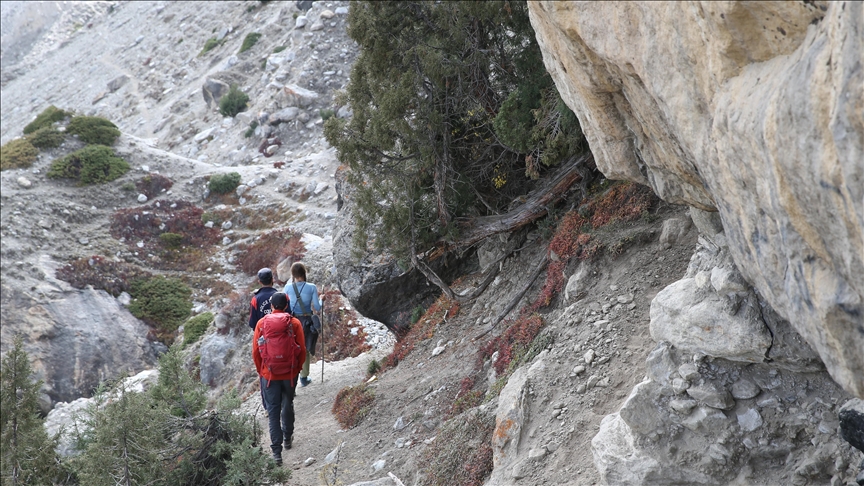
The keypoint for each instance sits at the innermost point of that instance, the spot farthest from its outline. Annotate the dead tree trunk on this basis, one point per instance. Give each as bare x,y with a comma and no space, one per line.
535,205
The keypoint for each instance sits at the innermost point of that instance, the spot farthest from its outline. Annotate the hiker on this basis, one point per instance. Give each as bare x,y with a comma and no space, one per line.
278,349
303,295
260,305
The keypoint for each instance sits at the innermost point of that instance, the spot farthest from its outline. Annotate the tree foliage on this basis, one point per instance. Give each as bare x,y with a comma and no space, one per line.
166,436
27,451
454,115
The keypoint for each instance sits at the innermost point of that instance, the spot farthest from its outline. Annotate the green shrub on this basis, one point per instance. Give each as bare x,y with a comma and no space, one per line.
171,240
233,102
373,367
326,114
161,302
249,41
46,118
46,137
93,164
279,49
224,183
251,130
93,130
195,327
17,154
212,43
128,186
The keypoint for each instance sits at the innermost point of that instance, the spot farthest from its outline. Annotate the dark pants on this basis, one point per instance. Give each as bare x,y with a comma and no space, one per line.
279,399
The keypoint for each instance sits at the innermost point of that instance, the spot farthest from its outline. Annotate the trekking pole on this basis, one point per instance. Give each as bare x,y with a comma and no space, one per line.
322,344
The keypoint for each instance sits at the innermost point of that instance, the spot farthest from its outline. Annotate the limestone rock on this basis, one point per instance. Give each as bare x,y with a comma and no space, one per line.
727,134
215,350
673,230
24,182
297,96
712,395
639,411
117,82
213,90
696,321
79,338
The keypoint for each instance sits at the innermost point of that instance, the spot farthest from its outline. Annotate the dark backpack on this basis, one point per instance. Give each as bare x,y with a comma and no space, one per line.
278,344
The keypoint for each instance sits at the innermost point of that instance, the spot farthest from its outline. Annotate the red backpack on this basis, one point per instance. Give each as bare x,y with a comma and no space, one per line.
278,344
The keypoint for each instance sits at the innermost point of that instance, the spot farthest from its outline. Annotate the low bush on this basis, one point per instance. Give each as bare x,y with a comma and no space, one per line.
93,130
161,302
326,114
46,137
93,164
462,452
373,367
353,404
466,398
279,49
171,240
153,184
17,154
423,329
46,118
101,273
149,222
514,342
209,45
270,249
195,327
250,40
233,102
224,183
339,343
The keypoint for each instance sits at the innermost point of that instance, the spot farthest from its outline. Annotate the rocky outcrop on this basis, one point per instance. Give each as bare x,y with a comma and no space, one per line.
729,390
75,339
752,109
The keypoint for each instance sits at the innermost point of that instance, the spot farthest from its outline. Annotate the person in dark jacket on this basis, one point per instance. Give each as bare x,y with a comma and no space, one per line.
260,304
279,389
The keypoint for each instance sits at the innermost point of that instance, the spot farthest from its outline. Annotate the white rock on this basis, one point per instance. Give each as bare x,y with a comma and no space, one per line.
202,135
301,22
438,350
589,356
341,11
692,321
316,26
226,225
327,14
142,198
24,182
750,420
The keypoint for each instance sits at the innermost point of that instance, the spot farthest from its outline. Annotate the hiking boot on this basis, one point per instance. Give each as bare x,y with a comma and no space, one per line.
305,381
277,456
288,442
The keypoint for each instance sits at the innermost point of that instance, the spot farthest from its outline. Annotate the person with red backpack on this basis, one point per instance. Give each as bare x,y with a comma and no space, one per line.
279,349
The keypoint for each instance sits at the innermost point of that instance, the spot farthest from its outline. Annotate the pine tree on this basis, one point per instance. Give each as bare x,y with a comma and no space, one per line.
454,116
122,435
27,452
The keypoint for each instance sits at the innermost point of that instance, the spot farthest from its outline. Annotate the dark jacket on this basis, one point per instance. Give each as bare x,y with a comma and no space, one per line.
260,305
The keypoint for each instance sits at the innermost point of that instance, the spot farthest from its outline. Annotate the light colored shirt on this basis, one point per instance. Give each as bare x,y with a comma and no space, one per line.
309,294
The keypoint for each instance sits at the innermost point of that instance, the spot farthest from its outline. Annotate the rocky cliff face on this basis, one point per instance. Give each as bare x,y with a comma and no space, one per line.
751,109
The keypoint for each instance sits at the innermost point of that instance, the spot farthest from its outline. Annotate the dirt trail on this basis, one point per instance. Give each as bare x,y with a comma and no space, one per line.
316,432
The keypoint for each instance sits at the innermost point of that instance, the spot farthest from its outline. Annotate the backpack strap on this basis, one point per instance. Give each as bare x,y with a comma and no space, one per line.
299,298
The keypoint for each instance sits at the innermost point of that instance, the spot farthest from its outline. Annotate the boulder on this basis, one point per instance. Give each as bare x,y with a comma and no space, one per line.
765,129
284,115
510,418
215,349
297,96
698,321
117,83
213,90
75,338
